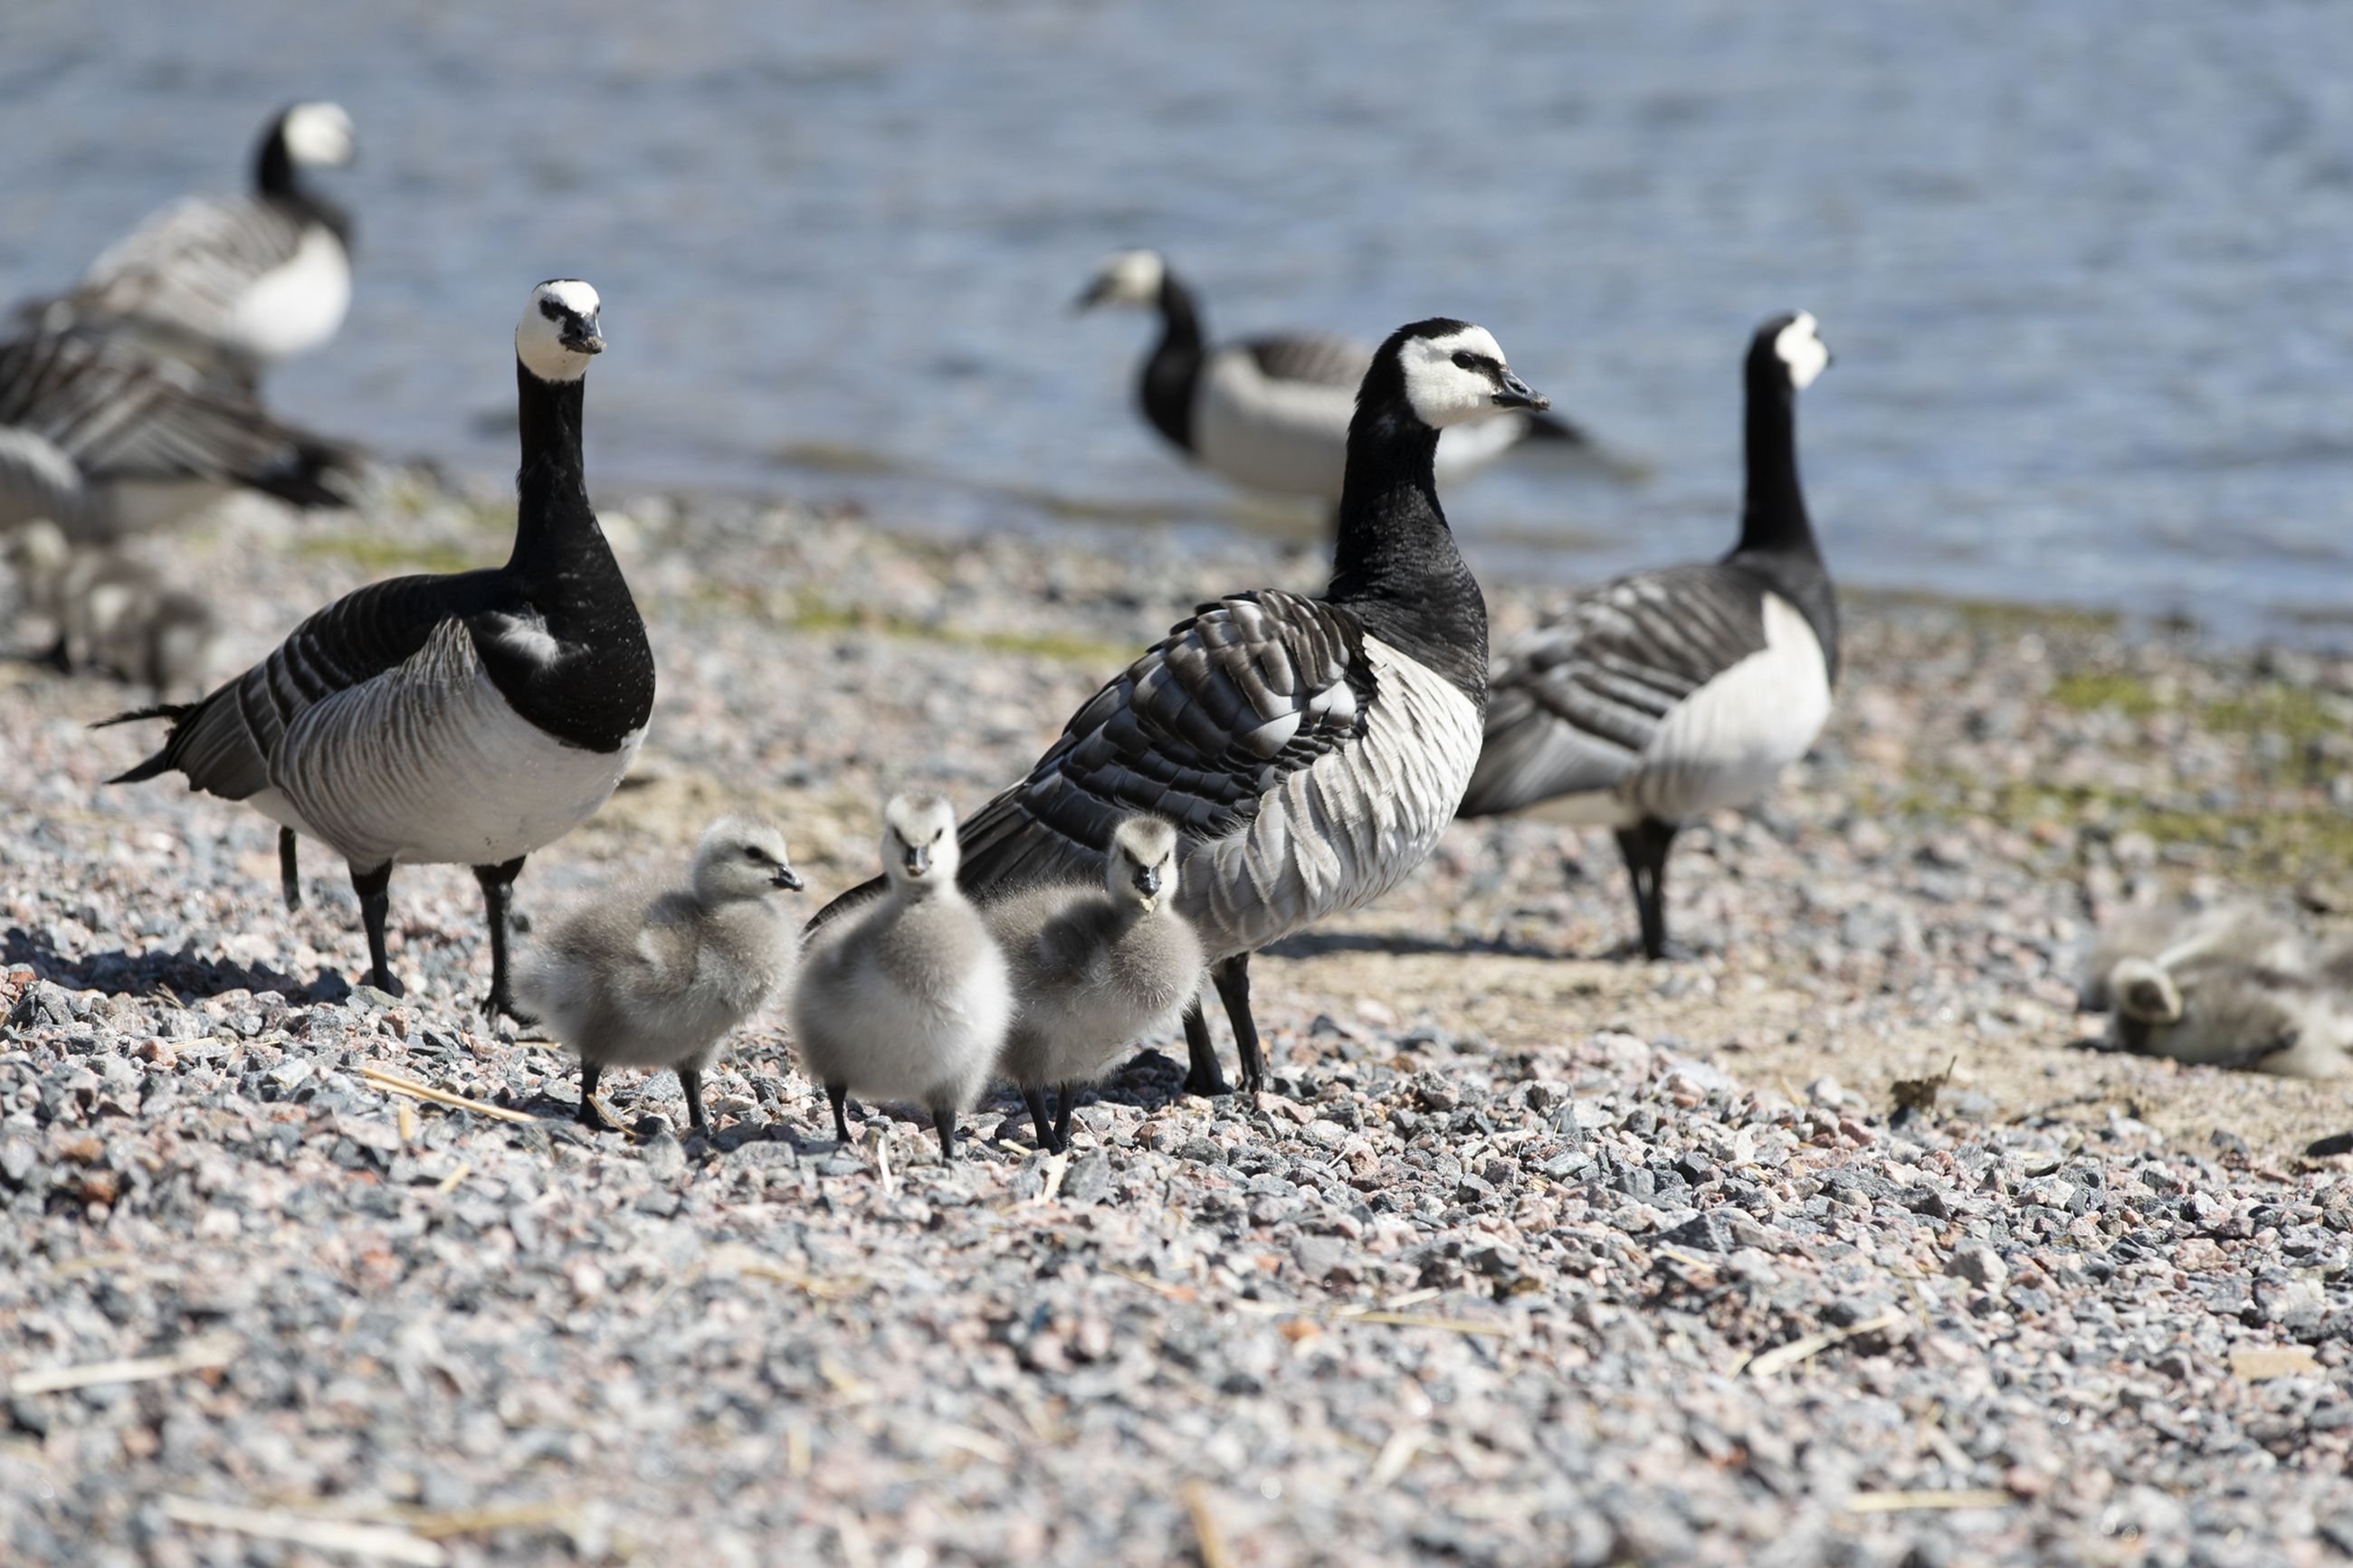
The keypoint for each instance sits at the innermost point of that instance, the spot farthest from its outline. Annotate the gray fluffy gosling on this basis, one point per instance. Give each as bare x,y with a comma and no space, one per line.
1094,970
2234,1015
112,612
909,1002
2172,938
661,981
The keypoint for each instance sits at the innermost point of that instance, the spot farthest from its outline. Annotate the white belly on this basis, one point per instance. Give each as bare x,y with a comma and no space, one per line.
297,306
1284,437
428,765
1339,834
1726,743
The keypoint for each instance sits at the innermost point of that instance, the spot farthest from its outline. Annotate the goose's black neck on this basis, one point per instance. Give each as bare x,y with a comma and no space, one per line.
276,178
1773,514
599,686
1776,537
1396,567
1174,367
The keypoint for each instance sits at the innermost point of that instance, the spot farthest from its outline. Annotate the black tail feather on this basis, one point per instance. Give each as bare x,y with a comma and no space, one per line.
160,762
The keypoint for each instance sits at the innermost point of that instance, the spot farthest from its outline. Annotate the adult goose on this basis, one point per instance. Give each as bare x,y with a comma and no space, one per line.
1270,412
1308,750
1644,703
467,719
105,438
247,279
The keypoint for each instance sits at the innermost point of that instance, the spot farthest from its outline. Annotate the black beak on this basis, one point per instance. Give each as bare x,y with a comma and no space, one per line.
787,876
1093,295
585,340
919,859
1147,880
1513,393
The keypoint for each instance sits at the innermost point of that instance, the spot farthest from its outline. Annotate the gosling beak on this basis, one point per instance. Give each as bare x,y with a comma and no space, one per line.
587,339
1147,881
786,878
919,859
1513,393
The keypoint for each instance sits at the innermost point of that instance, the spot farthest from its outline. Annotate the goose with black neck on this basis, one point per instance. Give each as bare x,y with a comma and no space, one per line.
1309,752
467,719
1645,702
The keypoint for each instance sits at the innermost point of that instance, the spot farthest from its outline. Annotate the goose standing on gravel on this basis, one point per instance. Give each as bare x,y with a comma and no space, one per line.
248,280
1310,751
907,1003
1272,413
1659,697
467,719
660,982
105,438
1095,969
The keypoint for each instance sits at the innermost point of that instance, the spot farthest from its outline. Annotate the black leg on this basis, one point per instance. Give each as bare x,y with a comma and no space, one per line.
840,1097
289,868
690,1080
1232,977
943,1116
375,889
498,886
1205,1076
1066,1101
1645,847
1034,1096
590,1115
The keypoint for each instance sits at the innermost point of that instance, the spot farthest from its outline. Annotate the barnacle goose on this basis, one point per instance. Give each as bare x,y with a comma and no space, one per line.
1659,697
104,438
467,719
248,279
1310,751
1270,412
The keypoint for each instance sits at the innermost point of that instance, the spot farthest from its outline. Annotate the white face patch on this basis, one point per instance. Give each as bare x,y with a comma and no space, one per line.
558,310
1441,392
1129,277
1800,347
319,135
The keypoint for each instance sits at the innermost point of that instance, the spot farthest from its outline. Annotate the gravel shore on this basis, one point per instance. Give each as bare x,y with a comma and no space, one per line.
1533,1256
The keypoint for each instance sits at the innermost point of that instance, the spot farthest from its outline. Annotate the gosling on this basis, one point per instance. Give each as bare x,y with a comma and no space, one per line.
910,1002
113,613
1094,970
660,982
2170,938
2230,1014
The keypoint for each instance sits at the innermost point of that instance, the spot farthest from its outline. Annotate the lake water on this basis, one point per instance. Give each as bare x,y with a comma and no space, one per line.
2085,267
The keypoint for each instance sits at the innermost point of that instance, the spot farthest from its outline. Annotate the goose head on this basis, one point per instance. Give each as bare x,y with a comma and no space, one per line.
741,857
1129,278
919,842
1443,372
1790,348
316,135
560,331
1140,868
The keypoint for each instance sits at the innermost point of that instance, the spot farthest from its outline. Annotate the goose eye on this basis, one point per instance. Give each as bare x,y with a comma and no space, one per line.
1465,360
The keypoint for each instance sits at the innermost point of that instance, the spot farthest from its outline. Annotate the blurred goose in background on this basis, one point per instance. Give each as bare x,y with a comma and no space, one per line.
907,1002
1271,413
631,981
113,613
1095,969
1648,701
2238,934
1310,753
105,439
243,281
467,719
2219,1012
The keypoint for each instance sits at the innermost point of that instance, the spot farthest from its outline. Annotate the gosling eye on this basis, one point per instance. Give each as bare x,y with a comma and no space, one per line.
754,853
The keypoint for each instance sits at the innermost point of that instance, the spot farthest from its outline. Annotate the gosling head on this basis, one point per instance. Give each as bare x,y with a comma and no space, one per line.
1129,277
1443,372
741,857
1142,866
2147,998
37,552
919,842
560,331
1790,347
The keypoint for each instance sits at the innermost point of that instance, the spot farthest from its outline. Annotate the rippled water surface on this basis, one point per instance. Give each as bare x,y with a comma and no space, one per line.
2084,267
